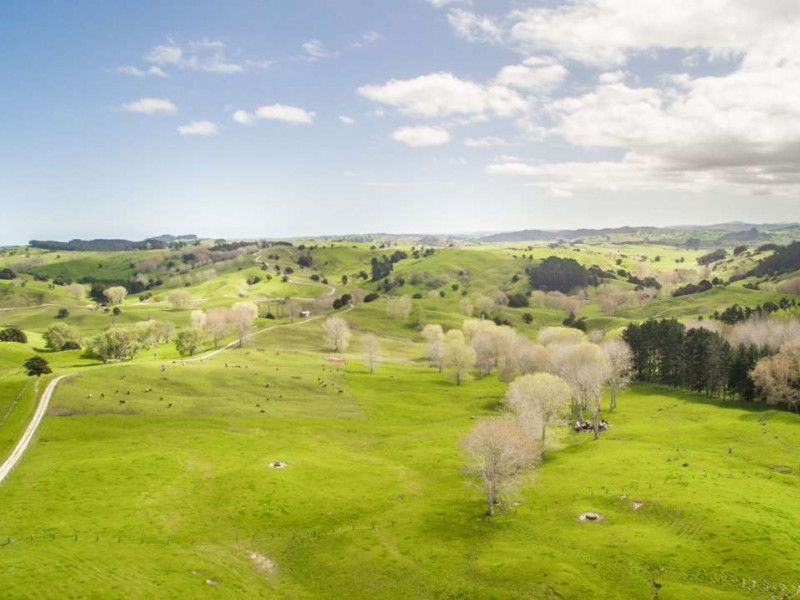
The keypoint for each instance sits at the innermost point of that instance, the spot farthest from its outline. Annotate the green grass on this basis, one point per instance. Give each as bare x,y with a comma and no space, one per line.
138,499
149,478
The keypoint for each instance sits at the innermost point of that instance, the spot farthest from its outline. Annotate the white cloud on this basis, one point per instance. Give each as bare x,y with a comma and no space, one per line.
368,38
441,3
607,32
346,120
243,117
151,106
314,50
534,74
275,112
632,173
204,55
137,72
444,94
473,27
739,127
486,142
203,128
420,136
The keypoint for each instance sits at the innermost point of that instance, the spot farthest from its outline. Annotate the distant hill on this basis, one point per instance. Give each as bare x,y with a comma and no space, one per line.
693,235
111,245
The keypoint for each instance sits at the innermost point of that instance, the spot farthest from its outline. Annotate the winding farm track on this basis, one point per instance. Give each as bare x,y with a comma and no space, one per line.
44,401
26,438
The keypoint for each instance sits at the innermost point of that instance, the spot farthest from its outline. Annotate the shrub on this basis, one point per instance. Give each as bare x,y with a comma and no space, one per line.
372,296
517,300
62,313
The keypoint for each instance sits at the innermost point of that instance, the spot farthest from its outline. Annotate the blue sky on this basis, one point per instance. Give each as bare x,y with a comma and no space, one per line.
274,118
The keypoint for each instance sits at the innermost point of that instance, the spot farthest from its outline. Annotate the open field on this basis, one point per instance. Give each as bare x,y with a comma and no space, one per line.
153,477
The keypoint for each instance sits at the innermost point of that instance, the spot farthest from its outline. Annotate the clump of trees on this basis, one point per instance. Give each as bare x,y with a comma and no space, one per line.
559,274
746,362
712,257
60,336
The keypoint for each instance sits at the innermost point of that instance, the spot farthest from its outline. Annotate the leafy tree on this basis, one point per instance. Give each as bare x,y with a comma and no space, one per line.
36,365
115,344
187,341
12,334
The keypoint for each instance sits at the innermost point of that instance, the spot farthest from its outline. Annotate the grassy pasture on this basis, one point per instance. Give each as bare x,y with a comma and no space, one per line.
153,478
140,499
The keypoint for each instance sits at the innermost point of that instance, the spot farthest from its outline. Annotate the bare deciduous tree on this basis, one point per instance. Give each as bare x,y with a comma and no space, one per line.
399,307
76,290
372,351
197,318
620,359
500,453
217,323
180,300
242,317
435,337
337,333
458,357
778,377
560,335
538,400
585,367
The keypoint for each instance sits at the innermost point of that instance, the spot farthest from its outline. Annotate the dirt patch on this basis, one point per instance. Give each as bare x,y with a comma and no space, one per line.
277,464
263,563
590,517
637,504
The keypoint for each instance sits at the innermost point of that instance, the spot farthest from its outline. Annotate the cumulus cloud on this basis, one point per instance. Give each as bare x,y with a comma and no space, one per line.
202,128
739,126
137,72
420,136
346,120
473,27
444,94
608,32
275,112
534,74
151,106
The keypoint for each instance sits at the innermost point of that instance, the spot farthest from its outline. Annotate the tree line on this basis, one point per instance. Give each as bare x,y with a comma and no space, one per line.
752,363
